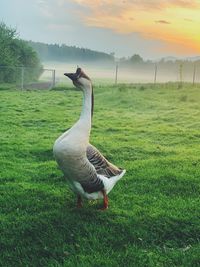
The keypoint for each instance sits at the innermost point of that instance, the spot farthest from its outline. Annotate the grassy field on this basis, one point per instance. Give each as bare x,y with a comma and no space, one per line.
153,219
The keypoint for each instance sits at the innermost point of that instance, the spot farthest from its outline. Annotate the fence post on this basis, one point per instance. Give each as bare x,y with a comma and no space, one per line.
116,74
181,73
53,78
194,75
22,78
155,75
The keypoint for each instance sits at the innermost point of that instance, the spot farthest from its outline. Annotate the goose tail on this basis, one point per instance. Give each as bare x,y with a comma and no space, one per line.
109,183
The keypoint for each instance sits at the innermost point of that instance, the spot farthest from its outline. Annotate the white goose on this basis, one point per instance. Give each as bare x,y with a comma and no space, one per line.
87,171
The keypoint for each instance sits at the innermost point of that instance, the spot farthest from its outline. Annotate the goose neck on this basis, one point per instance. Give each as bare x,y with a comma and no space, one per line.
86,112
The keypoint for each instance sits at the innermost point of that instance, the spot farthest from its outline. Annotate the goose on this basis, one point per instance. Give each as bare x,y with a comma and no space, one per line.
89,174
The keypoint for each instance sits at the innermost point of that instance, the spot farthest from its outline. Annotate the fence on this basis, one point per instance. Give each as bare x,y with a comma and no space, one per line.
137,73
23,78
158,73
27,78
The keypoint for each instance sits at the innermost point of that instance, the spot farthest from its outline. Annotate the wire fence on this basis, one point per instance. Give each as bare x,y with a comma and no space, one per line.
49,77
138,73
27,78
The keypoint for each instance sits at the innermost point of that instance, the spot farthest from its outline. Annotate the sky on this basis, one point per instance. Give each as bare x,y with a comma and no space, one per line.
152,29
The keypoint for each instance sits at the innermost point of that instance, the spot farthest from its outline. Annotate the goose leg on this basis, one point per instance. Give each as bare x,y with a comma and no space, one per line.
105,200
79,202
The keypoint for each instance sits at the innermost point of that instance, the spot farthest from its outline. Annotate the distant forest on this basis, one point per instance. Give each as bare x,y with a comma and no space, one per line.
65,53
56,52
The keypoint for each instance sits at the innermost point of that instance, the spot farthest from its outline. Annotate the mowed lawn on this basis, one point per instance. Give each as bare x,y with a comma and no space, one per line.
154,214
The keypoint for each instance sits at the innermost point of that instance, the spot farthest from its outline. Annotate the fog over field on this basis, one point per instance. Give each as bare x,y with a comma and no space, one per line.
102,73
108,68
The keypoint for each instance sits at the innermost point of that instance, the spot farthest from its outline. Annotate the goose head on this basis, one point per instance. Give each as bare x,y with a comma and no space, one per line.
82,82
80,79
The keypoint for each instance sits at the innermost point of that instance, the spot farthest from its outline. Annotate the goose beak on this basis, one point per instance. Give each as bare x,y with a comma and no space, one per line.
72,76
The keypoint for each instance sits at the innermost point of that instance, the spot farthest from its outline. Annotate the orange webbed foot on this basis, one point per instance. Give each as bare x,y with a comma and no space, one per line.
105,201
79,202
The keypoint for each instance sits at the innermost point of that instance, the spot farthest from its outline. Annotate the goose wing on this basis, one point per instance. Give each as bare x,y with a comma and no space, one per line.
102,166
100,163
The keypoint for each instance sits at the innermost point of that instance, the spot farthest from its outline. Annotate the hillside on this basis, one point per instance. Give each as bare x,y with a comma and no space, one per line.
56,52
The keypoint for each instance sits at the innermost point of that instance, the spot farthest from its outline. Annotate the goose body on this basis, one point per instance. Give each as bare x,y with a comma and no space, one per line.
86,170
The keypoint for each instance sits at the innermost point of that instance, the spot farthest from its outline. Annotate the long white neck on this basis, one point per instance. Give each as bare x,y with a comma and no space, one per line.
86,112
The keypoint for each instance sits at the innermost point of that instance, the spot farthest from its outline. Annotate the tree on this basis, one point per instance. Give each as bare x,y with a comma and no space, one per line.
6,39
135,59
16,53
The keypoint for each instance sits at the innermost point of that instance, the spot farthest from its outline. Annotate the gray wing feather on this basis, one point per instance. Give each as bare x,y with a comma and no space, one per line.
102,166
94,184
100,163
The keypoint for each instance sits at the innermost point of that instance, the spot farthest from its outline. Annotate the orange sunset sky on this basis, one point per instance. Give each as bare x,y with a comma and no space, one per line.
151,28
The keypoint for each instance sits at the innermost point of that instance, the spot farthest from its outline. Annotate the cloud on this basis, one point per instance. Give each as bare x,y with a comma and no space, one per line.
142,4
123,26
162,22
96,13
93,12
45,9
60,27
186,4
133,16
59,14
189,20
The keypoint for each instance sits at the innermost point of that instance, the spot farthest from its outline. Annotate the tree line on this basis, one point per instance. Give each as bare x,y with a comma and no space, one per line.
65,53
14,54
137,60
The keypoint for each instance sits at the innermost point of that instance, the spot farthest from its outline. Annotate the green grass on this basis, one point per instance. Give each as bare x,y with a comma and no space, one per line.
153,219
